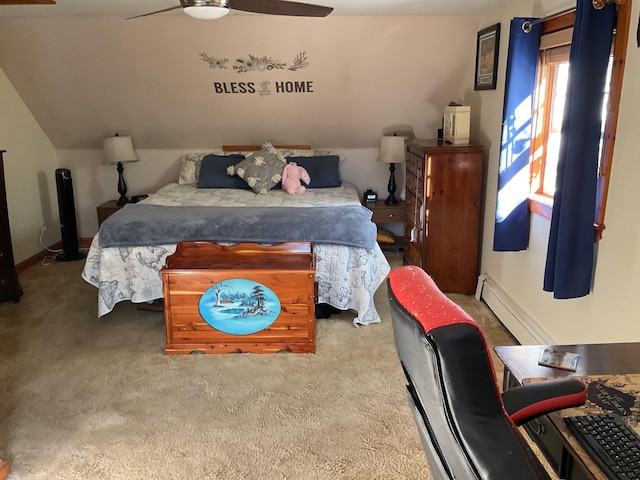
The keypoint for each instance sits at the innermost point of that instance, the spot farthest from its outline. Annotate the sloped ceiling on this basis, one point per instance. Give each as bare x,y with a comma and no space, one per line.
127,8
86,77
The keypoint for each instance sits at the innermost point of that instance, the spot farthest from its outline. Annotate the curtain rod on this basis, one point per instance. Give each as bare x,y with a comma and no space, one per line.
597,4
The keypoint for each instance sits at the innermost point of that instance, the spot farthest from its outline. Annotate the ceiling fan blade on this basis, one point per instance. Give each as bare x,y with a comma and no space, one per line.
153,13
27,2
280,7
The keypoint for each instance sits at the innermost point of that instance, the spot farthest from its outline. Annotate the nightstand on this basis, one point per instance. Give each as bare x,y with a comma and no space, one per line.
107,209
383,214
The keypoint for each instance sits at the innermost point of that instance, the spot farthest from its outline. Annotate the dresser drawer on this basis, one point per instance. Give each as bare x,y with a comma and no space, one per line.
415,165
415,186
412,181
546,436
390,214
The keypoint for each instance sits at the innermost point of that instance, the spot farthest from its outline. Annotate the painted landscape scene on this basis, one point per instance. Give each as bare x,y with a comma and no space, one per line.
239,306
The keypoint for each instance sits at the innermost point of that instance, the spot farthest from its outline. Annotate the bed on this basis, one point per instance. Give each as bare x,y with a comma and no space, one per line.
347,275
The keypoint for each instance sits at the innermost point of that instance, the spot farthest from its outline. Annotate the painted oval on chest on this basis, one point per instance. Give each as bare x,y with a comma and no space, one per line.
239,306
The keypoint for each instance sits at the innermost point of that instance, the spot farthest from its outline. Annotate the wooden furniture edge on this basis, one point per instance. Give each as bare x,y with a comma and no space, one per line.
196,266
4,470
254,148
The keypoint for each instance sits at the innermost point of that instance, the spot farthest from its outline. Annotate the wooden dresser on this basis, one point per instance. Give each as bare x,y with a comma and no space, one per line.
442,218
9,285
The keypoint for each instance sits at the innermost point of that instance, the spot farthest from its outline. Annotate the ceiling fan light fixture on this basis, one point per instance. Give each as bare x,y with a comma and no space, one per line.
208,12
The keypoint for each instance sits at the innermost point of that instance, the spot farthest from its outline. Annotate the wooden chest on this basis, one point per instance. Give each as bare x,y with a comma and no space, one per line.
242,298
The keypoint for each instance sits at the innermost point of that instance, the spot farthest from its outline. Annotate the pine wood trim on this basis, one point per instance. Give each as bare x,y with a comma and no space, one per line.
539,141
4,469
615,92
559,23
538,203
541,205
254,148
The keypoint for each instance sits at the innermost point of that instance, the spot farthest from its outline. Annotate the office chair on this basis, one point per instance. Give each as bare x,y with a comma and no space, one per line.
468,429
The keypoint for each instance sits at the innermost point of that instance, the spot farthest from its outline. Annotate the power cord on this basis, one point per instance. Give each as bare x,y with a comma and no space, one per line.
48,259
55,258
43,229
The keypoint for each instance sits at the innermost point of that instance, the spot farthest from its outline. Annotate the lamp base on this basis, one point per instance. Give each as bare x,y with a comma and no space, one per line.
391,199
122,185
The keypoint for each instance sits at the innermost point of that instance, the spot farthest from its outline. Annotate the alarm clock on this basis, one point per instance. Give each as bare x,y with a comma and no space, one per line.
370,196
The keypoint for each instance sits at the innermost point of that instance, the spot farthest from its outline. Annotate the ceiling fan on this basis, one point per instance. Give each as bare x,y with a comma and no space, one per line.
212,9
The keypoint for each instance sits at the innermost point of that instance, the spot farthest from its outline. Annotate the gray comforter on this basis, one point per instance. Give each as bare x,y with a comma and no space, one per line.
147,225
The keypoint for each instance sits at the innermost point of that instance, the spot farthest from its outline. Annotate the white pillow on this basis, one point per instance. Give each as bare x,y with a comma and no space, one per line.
190,168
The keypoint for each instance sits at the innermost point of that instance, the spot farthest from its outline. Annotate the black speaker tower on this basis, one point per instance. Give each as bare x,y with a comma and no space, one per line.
67,210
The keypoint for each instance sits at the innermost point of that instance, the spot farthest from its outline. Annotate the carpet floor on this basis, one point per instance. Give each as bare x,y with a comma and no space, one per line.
88,398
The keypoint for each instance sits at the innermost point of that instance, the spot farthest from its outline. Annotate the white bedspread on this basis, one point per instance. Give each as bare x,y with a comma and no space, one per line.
347,277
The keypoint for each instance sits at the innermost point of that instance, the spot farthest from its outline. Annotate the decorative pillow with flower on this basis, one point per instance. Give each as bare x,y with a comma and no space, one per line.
262,170
190,168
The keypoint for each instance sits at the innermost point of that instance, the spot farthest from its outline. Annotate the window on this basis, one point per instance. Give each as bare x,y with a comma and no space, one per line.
551,89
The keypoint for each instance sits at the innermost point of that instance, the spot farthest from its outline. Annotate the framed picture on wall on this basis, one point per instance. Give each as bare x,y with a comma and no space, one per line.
487,58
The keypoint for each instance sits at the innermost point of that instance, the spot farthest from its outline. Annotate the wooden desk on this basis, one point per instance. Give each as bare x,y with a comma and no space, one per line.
521,362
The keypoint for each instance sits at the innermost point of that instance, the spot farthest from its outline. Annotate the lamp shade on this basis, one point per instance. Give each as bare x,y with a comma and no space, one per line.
206,12
392,150
118,150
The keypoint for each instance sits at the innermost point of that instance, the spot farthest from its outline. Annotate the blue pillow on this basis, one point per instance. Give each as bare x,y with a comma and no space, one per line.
323,170
213,172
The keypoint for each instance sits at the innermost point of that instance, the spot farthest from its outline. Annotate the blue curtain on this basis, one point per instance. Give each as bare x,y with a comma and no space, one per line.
570,255
511,232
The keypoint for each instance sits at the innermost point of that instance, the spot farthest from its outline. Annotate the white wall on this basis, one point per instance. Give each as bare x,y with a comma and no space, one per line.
85,78
29,164
609,313
411,50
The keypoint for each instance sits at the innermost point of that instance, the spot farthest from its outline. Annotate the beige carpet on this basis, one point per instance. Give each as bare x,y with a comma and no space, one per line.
87,398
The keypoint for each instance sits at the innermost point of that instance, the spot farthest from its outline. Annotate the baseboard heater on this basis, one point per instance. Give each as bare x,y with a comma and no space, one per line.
522,326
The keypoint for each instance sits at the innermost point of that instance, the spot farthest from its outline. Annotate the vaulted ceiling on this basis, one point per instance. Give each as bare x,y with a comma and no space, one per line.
127,8
84,72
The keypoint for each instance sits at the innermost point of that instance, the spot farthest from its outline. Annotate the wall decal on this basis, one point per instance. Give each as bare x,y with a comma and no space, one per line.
260,64
264,87
215,62
255,63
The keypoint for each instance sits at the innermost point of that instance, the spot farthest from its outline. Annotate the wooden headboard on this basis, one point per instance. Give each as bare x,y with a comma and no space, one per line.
254,148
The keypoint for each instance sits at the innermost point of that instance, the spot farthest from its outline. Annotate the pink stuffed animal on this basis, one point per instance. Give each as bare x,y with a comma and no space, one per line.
292,177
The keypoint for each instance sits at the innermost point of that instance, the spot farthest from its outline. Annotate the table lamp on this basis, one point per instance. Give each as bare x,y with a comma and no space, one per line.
119,150
392,151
